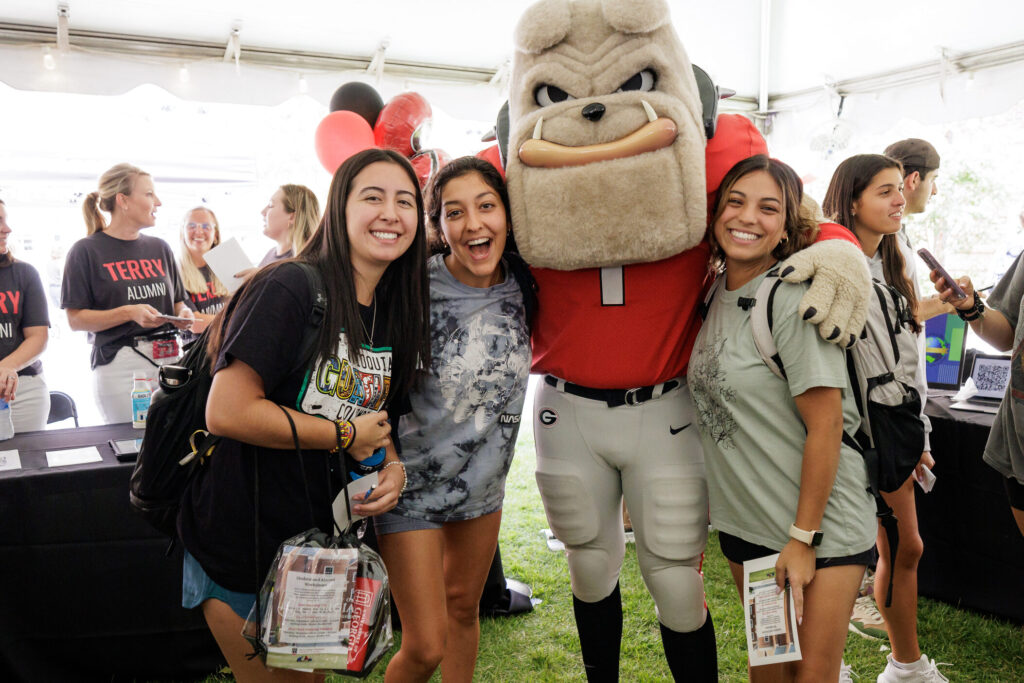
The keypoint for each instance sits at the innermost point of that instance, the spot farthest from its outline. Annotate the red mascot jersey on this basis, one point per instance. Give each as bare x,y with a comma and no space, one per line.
644,341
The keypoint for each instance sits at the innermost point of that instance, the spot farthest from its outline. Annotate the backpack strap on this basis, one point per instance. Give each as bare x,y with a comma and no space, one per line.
706,305
762,322
317,313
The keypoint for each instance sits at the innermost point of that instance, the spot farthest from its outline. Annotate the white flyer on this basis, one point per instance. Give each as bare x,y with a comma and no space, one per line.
226,259
770,615
357,486
73,456
314,607
10,460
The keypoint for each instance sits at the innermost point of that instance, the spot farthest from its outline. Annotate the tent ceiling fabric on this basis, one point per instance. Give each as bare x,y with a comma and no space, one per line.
811,41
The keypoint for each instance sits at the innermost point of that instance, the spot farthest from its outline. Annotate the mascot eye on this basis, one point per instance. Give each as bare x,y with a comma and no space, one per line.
642,81
546,95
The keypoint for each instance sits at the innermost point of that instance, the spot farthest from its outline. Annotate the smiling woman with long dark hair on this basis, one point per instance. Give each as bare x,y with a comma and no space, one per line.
370,252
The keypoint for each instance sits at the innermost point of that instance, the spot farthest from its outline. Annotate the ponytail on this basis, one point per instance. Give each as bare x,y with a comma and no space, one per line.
93,218
119,179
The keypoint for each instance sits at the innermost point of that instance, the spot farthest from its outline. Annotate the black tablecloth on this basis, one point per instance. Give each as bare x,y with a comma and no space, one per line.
88,592
973,550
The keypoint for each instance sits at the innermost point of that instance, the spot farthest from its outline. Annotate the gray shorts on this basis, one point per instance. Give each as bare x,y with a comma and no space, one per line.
393,523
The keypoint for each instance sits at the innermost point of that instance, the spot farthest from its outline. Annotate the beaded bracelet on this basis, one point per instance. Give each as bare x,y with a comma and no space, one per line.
405,474
344,433
973,313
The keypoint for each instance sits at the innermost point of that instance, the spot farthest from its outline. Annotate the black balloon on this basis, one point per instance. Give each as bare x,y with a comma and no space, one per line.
360,98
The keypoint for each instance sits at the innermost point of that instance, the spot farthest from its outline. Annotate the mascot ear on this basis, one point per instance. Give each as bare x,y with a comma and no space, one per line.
542,25
635,16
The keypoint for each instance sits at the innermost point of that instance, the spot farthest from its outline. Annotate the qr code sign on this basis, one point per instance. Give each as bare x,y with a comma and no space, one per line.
992,377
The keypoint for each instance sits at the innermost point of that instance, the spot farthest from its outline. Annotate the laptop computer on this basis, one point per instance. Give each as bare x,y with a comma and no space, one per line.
945,342
990,374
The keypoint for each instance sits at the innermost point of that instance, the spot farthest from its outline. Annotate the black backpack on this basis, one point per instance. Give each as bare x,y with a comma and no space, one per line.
176,443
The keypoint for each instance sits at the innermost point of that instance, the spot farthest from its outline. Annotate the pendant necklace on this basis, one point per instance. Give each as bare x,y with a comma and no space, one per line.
373,323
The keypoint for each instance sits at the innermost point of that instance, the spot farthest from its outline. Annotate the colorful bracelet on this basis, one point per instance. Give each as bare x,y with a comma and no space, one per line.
405,473
345,434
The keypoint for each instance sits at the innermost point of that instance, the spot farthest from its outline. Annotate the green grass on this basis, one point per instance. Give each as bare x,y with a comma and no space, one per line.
542,646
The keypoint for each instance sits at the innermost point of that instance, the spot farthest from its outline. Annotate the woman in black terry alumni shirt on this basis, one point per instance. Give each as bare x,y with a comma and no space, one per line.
200,232
370,250
117,285
24,331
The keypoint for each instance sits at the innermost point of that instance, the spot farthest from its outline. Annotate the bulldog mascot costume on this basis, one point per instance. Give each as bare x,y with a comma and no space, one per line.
606,177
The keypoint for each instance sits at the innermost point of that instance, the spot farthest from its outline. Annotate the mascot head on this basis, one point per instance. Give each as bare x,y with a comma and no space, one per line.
606,143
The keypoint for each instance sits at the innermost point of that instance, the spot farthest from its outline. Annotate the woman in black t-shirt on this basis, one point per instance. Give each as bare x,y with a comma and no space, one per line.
200,233
24,331
119,285
370,251
289,218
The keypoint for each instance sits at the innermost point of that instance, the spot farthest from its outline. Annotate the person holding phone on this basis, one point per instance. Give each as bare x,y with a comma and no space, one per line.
999,320
865,195
118,283
780,478
24,332
370,253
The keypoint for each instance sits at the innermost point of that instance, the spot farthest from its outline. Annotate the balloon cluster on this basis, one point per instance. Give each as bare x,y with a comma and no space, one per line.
359,119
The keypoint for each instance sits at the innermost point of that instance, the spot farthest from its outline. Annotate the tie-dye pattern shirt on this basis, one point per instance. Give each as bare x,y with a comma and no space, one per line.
458,441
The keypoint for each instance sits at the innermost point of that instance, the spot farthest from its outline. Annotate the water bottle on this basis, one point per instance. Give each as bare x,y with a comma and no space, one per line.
358,468
169,379
141,397
6,425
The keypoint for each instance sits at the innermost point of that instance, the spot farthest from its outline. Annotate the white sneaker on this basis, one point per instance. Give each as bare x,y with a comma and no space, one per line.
846,673
924,671
866,620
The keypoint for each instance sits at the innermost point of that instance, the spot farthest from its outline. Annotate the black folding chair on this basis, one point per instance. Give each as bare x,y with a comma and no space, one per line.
62,407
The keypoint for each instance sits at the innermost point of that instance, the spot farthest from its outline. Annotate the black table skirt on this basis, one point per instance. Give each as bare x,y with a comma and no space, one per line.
88,590
973,550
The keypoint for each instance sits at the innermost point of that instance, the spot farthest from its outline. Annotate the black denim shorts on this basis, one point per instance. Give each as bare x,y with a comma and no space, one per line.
739,551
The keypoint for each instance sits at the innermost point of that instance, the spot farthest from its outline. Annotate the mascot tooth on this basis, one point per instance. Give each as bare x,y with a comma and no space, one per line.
607,188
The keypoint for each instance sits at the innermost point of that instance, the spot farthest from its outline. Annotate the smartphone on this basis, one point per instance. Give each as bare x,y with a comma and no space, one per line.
934,264
174,318
125,450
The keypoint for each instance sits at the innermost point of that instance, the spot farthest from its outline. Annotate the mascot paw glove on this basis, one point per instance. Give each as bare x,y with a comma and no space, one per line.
838,296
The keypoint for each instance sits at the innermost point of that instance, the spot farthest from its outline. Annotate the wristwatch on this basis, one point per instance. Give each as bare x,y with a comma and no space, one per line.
811,538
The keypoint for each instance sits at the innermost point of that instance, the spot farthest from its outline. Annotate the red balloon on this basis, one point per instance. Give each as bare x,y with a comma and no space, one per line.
340,135
427,163
493,155
402,123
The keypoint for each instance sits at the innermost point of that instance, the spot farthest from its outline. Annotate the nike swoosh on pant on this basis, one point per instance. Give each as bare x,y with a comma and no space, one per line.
673,430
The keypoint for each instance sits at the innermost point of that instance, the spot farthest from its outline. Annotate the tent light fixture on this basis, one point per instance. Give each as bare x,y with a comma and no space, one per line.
183,74
49,63
303,84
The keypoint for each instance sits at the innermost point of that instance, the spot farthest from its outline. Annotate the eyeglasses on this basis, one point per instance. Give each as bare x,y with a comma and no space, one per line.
205,227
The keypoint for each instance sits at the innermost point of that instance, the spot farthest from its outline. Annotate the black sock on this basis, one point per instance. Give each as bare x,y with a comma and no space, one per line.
691,656
600,627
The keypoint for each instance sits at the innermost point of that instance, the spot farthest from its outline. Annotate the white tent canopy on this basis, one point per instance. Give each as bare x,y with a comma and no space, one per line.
755,47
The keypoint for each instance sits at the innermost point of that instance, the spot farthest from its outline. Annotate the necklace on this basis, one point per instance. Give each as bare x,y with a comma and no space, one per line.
373,322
